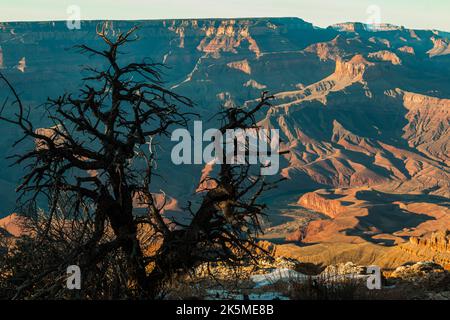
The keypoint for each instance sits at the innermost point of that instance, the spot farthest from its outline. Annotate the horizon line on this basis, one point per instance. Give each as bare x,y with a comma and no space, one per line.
227,18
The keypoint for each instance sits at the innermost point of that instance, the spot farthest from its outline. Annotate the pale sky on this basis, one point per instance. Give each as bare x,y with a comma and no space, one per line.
419,14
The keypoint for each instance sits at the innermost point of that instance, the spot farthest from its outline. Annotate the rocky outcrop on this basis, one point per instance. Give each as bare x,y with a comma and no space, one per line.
348,268
180,28
420,271
437,241
346,73
22,65
331,50
428,124
353,69
413,100
441,47
321,203
434,247
407,49
255,85
227,37
349,27
381,41
242,65
180,32
296,236
13,225
359,27
264,265
385,55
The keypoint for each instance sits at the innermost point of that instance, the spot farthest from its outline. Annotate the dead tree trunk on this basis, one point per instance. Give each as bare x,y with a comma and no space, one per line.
82,167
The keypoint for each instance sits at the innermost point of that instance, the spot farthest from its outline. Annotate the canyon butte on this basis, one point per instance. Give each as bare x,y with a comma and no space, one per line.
363,110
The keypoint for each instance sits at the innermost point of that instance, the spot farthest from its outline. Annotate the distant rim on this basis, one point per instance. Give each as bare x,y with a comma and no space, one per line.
221,19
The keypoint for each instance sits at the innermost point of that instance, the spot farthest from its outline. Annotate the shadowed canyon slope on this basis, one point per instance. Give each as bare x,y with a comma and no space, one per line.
364,112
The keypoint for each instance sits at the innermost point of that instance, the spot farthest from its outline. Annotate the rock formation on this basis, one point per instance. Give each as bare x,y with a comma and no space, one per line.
352,69
328,50
227,37
422,271
321,203
385,55
241,65
407,49
428,128
441,47
437,241
434,246
12,224
22,65
253,84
